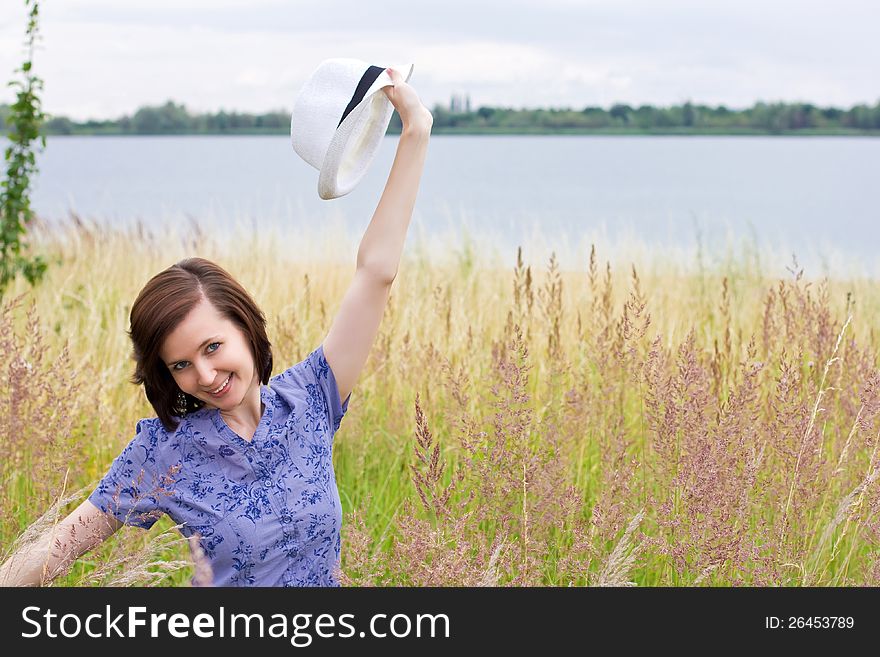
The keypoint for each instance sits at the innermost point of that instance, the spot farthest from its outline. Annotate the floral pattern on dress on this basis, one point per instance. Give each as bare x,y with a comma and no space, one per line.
267,510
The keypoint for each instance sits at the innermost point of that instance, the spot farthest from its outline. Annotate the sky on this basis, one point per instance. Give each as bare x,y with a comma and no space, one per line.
102,59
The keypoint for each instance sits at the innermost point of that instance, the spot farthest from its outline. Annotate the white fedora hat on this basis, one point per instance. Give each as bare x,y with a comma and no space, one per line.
339,119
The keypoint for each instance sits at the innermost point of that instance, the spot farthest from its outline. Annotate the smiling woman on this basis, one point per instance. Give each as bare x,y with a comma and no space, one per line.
242,462
252,473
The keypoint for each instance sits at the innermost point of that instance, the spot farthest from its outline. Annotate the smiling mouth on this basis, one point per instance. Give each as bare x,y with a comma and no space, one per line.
222,388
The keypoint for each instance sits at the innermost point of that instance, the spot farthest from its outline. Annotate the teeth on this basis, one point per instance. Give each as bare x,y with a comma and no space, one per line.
223,386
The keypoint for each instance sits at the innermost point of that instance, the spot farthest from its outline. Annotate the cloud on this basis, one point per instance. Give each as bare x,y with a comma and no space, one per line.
103,58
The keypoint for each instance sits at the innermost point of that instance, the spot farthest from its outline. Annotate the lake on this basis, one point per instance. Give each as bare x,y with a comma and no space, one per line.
817,197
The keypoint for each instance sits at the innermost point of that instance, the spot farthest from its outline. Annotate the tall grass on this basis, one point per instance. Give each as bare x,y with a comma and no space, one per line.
622,423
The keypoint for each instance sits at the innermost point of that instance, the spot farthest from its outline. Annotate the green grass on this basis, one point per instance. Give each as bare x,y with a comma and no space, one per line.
572,444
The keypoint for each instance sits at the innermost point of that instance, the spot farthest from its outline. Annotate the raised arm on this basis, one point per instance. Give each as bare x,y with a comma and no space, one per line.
56,549
355,326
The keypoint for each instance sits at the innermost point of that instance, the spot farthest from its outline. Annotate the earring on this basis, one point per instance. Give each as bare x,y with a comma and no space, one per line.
181,404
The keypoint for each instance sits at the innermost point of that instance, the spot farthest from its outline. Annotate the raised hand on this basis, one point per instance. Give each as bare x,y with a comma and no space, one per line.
413,114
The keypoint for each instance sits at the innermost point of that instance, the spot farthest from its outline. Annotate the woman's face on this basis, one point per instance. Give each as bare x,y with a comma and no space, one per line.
204,351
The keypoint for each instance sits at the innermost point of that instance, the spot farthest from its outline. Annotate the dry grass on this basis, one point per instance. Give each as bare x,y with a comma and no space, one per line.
668,426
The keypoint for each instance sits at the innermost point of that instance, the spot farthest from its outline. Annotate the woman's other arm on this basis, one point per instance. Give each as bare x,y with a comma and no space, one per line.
54,552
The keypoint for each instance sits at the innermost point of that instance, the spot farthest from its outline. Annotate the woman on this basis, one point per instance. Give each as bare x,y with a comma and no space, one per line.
244,466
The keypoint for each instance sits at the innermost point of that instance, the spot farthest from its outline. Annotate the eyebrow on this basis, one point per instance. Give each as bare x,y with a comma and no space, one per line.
208,341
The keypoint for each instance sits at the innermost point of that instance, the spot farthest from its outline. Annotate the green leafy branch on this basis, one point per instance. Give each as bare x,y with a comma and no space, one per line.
25,120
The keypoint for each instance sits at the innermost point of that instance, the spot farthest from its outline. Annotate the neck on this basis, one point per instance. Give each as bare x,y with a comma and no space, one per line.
248,413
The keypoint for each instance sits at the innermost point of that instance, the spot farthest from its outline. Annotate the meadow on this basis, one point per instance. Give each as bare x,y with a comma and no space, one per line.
646,421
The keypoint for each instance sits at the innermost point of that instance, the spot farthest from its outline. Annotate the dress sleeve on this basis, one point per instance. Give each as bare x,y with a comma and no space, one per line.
311,381
132,490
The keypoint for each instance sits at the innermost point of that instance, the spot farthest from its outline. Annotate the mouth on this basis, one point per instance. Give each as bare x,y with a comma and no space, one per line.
223,389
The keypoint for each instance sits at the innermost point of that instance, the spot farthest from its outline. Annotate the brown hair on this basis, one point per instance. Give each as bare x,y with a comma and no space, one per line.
163,303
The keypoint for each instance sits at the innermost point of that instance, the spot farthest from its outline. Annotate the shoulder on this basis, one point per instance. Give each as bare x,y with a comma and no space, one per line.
155,444
149,427
310,385
151,430
301,385
299,376
144,446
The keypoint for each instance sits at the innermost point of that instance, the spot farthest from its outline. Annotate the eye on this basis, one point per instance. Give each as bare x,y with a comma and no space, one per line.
181,364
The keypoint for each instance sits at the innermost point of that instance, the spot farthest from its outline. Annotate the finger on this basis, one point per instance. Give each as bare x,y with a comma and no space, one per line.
395,80
388,90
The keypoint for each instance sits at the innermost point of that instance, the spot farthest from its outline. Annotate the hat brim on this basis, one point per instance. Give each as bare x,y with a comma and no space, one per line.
357,139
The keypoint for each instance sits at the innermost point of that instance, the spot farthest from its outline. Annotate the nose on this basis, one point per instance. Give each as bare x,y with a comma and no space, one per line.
206,374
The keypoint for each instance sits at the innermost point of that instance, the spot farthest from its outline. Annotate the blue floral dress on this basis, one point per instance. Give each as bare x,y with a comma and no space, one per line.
267,511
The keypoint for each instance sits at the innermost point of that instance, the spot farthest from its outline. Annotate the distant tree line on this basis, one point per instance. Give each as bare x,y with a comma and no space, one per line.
761,118
169,119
